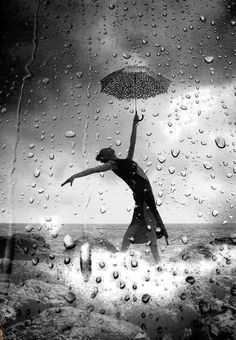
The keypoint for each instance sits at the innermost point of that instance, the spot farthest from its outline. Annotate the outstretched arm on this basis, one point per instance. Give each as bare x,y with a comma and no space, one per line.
133,135
99,168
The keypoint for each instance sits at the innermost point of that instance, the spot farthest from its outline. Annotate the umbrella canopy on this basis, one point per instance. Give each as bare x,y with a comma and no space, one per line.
134,82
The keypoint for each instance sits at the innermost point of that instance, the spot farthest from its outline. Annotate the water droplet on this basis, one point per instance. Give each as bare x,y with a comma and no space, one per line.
175,152
126,55
118,142
48,218
161,159
190,279
131,239
51,156
127,297
36,173
215,213
35,261
30,155
202,18
134,263
102,264
70,134
122,285
46,80
112,6
209,59
115,275
171,170
207,166
67,260
146,298
79,74
184,239
102,210
233,22
54,234
70,297
69,243
29,228
98,279
220,142
183,107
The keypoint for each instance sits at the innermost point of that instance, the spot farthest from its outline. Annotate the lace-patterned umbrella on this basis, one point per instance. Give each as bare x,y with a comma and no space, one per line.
134,82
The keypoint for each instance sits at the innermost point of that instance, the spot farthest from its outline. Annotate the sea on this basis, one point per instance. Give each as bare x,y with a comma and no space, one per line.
180,235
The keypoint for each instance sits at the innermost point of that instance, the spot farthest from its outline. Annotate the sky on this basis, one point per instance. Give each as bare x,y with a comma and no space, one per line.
54,121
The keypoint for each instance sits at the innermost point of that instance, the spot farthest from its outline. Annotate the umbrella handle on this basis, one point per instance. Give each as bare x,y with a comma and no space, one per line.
140,119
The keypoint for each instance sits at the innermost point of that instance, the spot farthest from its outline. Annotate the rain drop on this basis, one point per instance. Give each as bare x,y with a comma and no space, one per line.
161,159
46,81
118,142
171,170
79,74
190,279
220,142
202,18
209,59
175,152
36,173
29,228
146,298
70,134
184,239
134,263
126,55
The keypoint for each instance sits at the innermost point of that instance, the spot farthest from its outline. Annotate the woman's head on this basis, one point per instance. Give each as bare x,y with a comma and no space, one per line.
105,155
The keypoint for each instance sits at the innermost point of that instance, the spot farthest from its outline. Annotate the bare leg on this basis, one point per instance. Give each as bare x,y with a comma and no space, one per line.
155,253
152,206
129,236
150,221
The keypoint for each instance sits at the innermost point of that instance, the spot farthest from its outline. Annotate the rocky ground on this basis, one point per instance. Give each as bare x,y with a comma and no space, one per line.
191,297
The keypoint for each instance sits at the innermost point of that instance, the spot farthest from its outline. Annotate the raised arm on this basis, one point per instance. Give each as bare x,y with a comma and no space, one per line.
133,135
100,168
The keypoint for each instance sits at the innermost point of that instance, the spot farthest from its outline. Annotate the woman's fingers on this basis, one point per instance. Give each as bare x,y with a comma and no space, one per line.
69,180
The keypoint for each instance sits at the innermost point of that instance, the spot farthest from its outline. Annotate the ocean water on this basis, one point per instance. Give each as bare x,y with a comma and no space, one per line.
180,235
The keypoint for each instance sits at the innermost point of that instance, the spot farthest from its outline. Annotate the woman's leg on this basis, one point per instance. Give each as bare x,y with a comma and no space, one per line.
132,229
152,206
150,221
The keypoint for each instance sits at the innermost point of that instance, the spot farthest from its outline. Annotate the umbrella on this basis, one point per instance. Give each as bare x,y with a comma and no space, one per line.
134,82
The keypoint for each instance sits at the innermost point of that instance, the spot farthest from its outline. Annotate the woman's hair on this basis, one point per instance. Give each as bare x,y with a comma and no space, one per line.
105,154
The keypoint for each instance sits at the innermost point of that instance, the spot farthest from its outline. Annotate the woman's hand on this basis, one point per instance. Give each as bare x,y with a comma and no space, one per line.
69,180
137,119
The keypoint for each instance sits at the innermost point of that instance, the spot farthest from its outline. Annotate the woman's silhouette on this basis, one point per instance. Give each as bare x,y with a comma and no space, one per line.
146,225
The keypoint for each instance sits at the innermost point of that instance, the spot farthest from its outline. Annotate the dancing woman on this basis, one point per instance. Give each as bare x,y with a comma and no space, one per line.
146,225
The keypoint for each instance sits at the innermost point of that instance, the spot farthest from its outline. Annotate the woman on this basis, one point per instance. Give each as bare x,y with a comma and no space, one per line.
146,225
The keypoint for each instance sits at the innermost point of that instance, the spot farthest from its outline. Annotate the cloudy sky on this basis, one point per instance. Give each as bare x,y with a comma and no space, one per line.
186,142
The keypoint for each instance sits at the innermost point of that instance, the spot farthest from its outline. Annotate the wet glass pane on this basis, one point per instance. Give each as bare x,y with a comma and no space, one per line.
144,233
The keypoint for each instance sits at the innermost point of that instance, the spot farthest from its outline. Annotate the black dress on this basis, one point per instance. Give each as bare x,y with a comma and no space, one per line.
145,208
